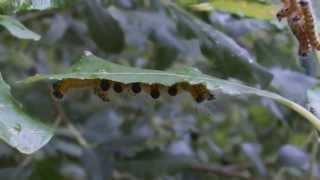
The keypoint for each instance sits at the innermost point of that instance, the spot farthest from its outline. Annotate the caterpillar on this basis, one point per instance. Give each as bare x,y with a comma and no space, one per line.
302,23
199,92
310,28
296,21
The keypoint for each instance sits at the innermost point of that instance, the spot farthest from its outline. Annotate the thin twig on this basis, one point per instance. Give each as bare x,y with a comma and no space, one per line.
38,14
62,117
220,171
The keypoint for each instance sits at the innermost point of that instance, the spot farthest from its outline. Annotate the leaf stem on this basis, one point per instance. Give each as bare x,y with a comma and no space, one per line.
301,110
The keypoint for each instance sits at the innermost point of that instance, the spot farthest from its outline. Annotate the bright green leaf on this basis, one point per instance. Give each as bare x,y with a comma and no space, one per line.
17,29
18,129
247,8
92,67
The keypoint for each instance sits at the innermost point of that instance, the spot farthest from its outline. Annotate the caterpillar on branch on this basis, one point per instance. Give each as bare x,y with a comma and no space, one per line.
302,23
310,25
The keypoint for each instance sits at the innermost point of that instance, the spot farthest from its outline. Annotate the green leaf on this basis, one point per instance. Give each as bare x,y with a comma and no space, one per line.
92,67
24,5
248,8
17,128
17,29
225,53
5,5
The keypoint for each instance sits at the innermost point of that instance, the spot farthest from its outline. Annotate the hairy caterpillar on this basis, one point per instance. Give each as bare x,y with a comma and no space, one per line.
302,23
199,92
297,28
296,21
310,28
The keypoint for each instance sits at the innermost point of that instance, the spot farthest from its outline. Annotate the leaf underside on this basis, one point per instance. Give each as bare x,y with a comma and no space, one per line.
92,67
17,128
17,29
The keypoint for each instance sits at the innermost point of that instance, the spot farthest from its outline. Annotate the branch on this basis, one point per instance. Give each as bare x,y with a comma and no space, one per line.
221,171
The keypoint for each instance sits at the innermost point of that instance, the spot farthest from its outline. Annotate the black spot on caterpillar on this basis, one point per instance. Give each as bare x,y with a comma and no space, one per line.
136,88
199,92
118,87
105,84
155,91
173,90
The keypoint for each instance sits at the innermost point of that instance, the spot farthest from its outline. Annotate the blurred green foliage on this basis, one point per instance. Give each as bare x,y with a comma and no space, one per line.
171,138
247,8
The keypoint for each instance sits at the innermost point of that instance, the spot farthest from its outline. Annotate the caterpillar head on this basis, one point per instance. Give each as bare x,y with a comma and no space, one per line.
283,13
57,93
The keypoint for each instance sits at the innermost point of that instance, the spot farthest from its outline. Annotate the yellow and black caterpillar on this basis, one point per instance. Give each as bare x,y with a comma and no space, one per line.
199,92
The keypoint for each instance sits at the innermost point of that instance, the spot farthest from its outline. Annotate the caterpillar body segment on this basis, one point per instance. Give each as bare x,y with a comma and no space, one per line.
199,92
62,87
154,90
301,35
102,94
118,87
